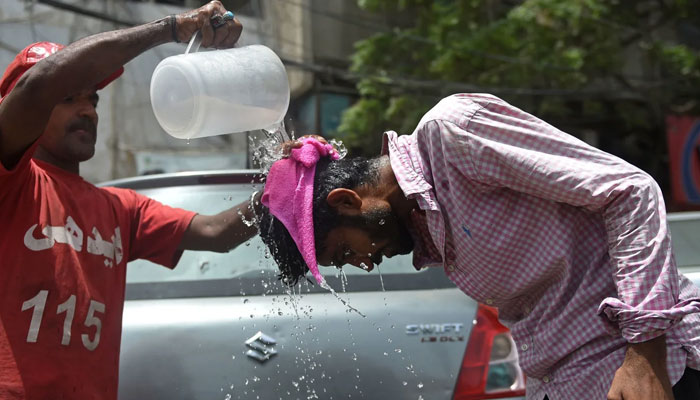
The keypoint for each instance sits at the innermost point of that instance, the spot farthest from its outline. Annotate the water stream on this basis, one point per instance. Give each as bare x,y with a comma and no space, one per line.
266,150
337,296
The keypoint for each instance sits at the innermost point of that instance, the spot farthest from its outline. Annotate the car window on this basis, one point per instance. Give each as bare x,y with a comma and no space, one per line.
247,260
685,234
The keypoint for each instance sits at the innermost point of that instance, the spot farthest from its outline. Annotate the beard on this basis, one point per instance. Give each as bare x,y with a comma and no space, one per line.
381,223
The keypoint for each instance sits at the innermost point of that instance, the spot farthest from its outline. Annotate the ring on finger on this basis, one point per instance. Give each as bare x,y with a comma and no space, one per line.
217,21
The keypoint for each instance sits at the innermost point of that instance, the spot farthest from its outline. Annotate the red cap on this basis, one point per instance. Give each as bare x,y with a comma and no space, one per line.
31,55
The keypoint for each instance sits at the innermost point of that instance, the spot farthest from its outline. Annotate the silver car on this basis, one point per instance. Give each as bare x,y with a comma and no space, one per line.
685,233
221,326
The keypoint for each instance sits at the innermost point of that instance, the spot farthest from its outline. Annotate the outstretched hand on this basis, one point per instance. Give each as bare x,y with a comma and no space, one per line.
220,37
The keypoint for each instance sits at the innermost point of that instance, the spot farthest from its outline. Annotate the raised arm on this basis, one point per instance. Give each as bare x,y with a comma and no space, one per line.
25,111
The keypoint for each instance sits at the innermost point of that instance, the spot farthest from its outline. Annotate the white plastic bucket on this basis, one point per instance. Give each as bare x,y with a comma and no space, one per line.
217,92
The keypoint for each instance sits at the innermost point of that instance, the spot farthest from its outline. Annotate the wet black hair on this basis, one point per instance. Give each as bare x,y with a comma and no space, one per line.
346,173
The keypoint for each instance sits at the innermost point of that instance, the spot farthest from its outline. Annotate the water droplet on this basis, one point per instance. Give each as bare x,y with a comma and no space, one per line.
382,221
420,385
404,383
245,301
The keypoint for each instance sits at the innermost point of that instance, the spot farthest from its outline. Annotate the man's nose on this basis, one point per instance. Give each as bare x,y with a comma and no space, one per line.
88,110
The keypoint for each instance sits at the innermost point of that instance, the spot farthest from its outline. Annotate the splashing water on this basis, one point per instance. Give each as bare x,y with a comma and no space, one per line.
339,146
248,222
294,300
279,132
343,279
268,149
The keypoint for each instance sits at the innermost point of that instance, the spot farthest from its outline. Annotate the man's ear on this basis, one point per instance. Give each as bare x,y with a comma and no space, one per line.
345,201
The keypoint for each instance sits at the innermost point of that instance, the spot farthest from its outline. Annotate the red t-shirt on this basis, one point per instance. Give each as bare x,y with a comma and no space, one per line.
64,245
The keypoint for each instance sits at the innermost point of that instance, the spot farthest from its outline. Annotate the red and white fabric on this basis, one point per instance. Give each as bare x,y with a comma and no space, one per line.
64,245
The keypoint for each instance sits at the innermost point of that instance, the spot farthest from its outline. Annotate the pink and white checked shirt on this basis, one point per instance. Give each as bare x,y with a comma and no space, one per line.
569,242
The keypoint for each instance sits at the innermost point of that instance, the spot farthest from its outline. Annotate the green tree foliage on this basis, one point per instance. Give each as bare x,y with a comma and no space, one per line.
615,67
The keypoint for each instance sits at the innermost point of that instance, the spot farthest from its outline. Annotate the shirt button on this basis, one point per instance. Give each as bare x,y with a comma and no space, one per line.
489,301
545,379
451,267
524,347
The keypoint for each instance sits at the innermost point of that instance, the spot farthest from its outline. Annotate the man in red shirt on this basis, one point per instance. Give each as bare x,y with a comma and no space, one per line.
64,243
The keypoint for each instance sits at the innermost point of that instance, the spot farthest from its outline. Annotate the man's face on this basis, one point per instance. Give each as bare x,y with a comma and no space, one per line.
71,131
365,239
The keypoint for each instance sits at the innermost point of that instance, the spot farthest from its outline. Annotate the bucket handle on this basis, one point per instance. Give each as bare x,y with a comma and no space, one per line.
195,42
217,21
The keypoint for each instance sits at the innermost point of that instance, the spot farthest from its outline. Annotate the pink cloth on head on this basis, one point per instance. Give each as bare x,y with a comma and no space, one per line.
289,194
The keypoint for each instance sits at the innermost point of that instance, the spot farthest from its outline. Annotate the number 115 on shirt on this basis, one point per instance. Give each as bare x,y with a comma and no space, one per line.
38,304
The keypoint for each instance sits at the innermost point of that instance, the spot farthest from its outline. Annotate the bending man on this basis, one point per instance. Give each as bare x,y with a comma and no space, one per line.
569,242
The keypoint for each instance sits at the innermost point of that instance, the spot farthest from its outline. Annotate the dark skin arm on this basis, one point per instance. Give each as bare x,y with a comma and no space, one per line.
643,374
224,231
26,110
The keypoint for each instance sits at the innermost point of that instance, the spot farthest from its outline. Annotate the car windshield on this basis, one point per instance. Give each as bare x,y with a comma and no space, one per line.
247,259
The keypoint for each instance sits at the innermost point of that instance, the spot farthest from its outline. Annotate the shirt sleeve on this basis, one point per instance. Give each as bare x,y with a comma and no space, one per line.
23,164
156,229
499,145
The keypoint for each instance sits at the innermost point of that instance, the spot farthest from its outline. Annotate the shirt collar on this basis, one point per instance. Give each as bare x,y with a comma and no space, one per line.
406,164
425,254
